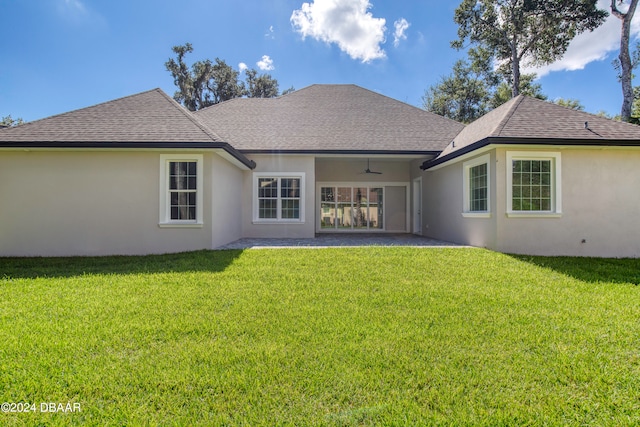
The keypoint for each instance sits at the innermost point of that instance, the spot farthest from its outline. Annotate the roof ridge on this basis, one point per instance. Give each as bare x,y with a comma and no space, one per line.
192,117
508,115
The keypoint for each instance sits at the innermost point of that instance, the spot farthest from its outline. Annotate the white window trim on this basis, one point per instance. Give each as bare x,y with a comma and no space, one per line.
256,205
165,208
466,168
556,183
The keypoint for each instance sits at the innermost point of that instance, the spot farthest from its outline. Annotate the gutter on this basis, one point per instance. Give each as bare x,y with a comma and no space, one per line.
345,152
237,155
528,141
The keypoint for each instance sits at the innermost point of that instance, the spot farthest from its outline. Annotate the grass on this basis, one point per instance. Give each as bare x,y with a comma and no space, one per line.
337,337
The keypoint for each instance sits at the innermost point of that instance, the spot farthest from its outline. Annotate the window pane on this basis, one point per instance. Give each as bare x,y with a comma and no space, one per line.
360,207
290,187
375,208
268,209
327,194
535,166
290,209
531,189
182,175
344,194
517,204
268,187
517,166
328,215
535,179
478,188
344,213
546,166
191,183
183,205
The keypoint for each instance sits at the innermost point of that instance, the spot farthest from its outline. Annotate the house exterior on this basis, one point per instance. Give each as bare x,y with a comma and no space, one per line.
142,175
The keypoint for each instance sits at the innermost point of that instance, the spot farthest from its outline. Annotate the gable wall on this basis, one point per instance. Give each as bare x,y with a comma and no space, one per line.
89,203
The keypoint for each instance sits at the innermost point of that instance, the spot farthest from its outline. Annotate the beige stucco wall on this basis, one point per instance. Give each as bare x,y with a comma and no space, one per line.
600,205
57,203
442,208
350,170
279,164
226,202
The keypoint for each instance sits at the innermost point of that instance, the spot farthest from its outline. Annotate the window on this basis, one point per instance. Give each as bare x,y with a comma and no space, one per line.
351,208
533,184
476,187
279,197
181,190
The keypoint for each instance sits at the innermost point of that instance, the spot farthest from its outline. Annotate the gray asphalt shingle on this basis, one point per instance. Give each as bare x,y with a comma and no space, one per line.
524,117
328,117
147,117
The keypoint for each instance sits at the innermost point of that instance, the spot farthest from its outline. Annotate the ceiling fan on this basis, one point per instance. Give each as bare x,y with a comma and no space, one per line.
367,170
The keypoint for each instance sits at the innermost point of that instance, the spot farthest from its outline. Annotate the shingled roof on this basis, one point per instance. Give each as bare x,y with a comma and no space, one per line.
146,120
150,116
526,120
326,118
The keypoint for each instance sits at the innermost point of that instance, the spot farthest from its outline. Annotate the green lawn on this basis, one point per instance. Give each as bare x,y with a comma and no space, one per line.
343,336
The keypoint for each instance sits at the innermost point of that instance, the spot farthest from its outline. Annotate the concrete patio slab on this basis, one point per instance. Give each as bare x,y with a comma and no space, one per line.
340,240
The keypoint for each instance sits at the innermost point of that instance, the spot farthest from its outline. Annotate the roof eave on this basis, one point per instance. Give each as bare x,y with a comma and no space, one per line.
345,152
429,164
233,155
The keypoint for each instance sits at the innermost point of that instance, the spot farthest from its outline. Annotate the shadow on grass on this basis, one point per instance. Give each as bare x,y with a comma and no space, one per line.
211,261
613,270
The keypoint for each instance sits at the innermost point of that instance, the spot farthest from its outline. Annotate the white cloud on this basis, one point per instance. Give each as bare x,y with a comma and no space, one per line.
270,34
266,63
401,26
347,23
243,67
590,46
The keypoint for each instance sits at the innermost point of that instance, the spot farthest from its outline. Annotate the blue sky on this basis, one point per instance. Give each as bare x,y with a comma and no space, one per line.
61,55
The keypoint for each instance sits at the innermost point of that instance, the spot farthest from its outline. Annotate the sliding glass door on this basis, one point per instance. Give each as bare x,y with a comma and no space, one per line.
351,208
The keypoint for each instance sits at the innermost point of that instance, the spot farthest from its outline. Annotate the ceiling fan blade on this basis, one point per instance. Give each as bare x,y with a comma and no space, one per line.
367,170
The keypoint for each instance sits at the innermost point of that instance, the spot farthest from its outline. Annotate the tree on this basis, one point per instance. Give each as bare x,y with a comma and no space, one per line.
263,86
474,88
207,83
461,96
183,78
503,92
524,32
8,122
288,91
574,104
223,82
626,64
